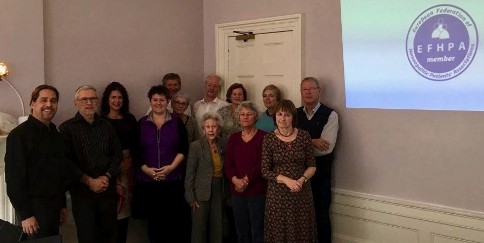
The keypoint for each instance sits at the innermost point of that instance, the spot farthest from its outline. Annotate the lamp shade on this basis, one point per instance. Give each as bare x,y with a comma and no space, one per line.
3,75
3,70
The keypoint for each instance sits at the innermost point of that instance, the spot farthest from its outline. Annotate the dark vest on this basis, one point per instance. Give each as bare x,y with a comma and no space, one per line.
314,127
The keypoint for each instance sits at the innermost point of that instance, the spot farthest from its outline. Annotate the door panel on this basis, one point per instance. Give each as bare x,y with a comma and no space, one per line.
267,59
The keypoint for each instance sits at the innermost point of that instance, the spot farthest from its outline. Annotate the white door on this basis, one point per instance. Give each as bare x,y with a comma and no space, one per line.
273,57
265,60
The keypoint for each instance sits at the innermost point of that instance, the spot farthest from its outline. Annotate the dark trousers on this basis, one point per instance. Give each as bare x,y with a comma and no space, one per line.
47,213
169,219
95,218
229,231
321,187
122,230
207,220
249,218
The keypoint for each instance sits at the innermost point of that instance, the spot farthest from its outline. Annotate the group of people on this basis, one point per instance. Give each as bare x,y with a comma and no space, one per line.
217,171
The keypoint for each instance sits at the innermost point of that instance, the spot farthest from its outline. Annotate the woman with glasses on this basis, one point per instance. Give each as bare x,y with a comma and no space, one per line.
163,149
115,109
180,102
96,151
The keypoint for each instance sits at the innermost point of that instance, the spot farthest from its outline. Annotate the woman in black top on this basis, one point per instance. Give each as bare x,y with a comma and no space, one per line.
115,108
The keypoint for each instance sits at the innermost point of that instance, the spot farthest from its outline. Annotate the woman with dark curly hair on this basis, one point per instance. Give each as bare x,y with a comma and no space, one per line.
115,109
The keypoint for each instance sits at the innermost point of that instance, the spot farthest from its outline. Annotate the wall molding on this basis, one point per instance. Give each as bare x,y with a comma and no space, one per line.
365,218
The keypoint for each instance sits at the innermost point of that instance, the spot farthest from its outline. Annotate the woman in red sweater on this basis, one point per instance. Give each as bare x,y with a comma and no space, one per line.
243,170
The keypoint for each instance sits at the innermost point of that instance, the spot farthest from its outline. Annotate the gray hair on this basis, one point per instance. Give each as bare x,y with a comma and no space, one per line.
249,105
83,87
211,116
312,79
181,95
213,75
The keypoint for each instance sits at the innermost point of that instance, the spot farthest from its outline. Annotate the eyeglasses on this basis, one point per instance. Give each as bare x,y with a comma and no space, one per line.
309,89
85,100
181,103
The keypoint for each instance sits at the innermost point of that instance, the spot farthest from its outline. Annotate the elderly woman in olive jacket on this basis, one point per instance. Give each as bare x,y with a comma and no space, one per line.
204,183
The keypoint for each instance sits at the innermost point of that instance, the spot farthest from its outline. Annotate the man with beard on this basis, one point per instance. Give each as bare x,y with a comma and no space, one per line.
37,170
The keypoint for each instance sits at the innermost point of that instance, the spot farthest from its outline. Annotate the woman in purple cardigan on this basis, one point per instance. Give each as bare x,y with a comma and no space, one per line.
163,149
243,170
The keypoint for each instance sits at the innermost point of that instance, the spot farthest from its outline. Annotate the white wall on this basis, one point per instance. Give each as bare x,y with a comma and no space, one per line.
426,156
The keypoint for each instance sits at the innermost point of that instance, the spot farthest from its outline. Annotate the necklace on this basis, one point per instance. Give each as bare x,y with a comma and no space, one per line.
292,132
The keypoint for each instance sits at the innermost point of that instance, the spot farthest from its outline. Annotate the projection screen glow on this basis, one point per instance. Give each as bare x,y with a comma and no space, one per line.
413,54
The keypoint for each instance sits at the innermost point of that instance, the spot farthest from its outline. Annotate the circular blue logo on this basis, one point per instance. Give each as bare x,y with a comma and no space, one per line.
442,42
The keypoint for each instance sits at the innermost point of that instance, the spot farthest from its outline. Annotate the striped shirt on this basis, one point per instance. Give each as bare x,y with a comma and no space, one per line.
95,148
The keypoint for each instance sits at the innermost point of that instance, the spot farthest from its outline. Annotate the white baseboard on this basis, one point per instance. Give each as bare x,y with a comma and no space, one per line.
363,218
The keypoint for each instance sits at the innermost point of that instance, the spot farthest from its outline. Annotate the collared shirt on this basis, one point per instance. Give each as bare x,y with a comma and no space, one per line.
201,107
95,147
36,165
330,130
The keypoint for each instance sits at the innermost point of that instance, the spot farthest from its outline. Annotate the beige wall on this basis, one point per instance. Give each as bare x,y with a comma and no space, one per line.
132,42
96,42
22,49
426,156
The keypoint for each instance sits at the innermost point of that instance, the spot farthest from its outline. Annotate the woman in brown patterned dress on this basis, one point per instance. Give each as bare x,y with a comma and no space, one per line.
288,163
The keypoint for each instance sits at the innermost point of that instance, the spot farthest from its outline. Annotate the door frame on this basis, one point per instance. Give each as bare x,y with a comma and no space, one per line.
223,31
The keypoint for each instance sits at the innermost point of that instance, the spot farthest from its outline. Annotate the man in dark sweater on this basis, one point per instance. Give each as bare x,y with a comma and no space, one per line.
37,169
322,124
96,151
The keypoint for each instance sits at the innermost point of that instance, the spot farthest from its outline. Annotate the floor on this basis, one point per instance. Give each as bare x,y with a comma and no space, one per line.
136,229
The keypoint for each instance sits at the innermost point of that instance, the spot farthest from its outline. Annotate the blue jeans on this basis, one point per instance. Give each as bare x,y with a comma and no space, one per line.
249,218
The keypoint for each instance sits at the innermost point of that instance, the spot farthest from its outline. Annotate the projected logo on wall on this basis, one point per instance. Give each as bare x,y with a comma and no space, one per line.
442,42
